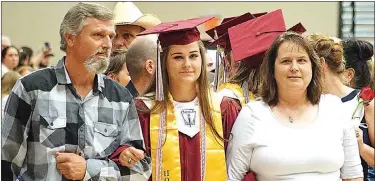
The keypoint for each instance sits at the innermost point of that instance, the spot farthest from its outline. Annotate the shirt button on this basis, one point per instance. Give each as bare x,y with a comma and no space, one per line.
81,129
105,129
51,124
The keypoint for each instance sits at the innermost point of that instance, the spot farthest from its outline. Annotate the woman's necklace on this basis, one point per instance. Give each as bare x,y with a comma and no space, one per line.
291,117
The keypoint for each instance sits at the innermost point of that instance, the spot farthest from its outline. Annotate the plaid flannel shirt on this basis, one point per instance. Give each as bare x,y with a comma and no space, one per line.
45,115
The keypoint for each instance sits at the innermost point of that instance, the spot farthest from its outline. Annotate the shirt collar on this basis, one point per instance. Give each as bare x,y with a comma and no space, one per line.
132,89
63,78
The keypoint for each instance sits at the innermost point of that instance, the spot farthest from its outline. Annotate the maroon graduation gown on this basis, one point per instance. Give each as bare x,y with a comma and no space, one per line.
189,147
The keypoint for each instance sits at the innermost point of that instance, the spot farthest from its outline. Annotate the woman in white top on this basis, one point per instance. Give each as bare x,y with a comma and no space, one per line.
341,75
294,133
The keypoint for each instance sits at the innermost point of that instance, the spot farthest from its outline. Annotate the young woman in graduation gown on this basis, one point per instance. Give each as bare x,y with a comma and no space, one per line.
186,127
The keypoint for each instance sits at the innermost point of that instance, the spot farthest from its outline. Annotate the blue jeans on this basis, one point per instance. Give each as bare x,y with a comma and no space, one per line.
371,174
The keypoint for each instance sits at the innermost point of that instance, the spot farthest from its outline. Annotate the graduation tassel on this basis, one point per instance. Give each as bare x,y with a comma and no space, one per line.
245,89
223,65
217,66
159,95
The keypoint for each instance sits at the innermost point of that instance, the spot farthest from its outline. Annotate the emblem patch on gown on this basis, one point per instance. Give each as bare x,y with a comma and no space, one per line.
189,116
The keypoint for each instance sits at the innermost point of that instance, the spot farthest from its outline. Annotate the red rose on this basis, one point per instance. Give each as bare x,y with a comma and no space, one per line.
250,176
367,94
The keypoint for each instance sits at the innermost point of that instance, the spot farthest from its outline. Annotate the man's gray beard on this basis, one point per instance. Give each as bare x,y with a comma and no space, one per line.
118,51
96,65
152,85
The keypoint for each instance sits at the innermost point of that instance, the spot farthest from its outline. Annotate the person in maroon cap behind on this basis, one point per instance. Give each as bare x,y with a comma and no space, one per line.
234,88
243,74
187,126
294,132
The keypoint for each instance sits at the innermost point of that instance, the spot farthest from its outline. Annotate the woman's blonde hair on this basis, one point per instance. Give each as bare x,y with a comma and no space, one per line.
249,75
21,70
202,86
331,50
8,81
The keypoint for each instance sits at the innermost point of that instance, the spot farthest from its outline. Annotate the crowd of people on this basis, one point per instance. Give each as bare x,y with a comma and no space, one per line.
134,99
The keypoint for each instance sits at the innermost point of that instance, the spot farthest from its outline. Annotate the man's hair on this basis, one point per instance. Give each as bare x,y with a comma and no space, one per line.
75,19
141,49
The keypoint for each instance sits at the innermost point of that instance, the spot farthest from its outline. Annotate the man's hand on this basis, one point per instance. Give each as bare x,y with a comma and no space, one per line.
130,156
71,166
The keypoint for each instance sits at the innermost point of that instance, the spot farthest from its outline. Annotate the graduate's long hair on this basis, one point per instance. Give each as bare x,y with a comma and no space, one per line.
247,74
203,91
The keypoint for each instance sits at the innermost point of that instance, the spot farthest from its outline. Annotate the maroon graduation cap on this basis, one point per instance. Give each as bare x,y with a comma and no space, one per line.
220,34
251,40
231,21
222,30
256,15
227,23
181,32
298,28
255,36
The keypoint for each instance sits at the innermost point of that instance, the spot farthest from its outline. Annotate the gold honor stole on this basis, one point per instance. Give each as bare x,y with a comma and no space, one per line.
237,90
166,167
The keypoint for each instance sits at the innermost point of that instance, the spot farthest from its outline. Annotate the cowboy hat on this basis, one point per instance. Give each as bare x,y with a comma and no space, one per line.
127,13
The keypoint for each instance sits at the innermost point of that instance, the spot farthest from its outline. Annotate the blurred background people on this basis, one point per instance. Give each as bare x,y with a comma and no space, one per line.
117,69
5,41
43,58
7,83
9,59
24,70
26,54
45,61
